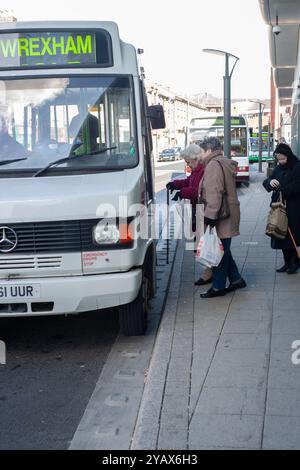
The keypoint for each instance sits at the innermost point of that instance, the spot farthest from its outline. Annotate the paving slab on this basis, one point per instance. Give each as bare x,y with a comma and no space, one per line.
281,433
232,401
245,326
247,341
242,358
236,376
283,402
287,377
226,431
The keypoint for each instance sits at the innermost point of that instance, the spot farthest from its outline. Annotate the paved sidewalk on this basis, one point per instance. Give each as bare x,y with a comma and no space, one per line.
221,375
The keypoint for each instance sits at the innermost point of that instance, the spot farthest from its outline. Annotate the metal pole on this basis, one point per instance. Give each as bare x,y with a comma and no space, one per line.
260,139
269,139
187,122
68,123
227,110
168,224
25,141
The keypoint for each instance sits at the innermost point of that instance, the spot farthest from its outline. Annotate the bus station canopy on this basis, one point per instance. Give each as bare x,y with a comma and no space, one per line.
284,47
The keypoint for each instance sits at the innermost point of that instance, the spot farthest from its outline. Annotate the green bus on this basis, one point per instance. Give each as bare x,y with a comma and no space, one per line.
267,154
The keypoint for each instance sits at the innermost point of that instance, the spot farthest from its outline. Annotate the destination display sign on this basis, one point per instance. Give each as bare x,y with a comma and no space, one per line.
235,121
264,134
53,49
211,122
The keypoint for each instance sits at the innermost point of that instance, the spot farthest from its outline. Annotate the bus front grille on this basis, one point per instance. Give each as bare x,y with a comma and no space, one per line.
24,263
52,237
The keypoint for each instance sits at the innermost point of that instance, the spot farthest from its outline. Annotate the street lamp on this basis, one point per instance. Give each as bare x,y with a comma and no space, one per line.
227,97
269,136
187,119
260,142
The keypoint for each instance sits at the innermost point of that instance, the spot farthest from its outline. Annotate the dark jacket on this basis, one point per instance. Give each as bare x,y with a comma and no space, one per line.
189,187
289,179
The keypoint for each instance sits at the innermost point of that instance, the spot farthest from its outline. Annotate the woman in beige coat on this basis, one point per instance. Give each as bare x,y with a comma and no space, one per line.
220,176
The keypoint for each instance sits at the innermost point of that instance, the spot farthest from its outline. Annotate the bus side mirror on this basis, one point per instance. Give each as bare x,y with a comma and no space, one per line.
157,116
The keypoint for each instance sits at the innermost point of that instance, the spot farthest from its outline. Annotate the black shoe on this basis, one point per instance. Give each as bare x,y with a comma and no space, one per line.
202,282
292,269
283,269
238,285
213,293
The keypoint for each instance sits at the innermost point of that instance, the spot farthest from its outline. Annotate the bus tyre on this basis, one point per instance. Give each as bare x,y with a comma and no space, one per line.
133,317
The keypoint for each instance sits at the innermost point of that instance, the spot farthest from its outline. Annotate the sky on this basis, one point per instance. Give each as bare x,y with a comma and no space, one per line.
173,35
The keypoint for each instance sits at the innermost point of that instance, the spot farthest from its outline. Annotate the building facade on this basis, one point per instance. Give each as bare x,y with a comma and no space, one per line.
179,110
7,16
250,109
284,42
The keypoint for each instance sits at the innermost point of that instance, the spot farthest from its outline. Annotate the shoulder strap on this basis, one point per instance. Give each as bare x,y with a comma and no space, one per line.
225,188
223,174
281,198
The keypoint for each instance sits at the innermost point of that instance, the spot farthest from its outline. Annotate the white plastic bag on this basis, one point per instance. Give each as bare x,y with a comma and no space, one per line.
210,249
184,217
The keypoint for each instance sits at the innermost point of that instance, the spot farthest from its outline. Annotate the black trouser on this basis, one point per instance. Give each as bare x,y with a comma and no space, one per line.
290,257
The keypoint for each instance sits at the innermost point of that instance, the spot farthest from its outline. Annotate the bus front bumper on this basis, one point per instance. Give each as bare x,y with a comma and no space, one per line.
242,177
67,295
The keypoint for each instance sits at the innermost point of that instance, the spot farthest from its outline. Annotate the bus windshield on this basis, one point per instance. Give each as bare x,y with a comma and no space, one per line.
45,119
238,138
254,142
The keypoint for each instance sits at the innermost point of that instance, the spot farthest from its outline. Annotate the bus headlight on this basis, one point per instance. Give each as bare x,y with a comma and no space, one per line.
108,234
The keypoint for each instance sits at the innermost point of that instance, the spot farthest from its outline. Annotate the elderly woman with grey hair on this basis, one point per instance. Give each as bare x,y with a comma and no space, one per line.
188,188
219,182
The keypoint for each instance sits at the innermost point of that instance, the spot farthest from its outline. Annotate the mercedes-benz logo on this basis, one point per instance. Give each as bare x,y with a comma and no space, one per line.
8,239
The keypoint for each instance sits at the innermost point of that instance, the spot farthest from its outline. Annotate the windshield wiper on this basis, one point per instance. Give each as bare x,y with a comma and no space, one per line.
67,159
7,162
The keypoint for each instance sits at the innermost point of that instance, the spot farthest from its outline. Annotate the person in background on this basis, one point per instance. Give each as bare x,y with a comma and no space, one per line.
286,179
220,176
9,147
80,131
188,188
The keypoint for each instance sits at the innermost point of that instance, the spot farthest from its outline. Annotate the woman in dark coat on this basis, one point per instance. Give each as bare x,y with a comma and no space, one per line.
286,179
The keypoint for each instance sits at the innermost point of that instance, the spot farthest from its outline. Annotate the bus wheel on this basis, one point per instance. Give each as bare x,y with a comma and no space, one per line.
133,317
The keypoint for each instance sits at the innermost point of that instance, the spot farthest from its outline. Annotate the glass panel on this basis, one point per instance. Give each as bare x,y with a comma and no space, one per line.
43,120
238,138
254,142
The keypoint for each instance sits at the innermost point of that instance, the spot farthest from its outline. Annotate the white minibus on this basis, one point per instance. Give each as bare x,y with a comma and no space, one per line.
76,173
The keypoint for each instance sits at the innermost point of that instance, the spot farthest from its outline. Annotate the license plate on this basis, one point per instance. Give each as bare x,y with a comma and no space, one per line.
19,292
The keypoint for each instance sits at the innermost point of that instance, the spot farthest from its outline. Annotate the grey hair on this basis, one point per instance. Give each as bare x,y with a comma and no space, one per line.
211,143
191,152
